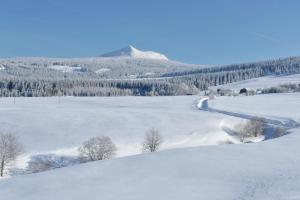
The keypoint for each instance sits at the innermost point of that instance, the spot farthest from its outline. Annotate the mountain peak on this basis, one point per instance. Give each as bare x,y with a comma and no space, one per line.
132,52
128,49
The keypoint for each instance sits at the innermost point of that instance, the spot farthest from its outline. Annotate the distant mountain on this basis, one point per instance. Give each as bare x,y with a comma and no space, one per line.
92,67
132,52
126,63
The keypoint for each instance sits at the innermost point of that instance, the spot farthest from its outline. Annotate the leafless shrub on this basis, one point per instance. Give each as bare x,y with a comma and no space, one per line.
253,128
274,89
152,141
242,134
225,92
10,149
97,148
251,92
279,131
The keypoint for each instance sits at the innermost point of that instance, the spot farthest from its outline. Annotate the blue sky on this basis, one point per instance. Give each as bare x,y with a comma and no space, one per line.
192,31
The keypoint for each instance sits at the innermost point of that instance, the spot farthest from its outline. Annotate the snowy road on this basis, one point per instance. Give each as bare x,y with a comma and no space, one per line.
281,121
271,123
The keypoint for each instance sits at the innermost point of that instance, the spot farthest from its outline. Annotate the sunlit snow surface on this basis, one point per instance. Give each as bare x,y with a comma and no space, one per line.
285,105
266,170
51,124
262,82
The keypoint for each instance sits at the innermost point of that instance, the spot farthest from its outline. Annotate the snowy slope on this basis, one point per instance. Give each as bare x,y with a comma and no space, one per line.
262,82
285,105
131,52
264,171
53,124
93,67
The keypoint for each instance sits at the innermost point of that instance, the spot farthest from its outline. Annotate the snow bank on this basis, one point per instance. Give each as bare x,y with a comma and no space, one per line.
203,103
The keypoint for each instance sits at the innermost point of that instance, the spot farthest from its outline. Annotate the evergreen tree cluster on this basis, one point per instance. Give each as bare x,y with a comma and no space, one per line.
40,84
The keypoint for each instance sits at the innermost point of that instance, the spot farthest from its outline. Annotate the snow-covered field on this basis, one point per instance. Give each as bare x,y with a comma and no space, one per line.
285,105
262,82
267,170
59,124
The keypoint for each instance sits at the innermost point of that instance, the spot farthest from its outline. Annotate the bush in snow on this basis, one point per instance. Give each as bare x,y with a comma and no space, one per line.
282,88
152,141
97,148
278,89
290,86
253,128
239,129
10,149
279,131
40,163
225,92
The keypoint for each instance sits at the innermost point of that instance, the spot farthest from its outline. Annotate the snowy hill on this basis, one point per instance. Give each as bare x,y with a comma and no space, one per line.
131,52
88,76
215,173
261,82
267,170
124,119
138,64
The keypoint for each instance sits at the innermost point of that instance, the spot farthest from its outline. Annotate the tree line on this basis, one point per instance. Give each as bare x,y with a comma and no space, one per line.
174,83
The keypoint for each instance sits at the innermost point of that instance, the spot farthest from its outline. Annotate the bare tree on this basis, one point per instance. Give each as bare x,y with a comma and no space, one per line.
98,148
152,141
10,149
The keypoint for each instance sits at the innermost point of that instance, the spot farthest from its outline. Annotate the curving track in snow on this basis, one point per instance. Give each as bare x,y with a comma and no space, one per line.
284,122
